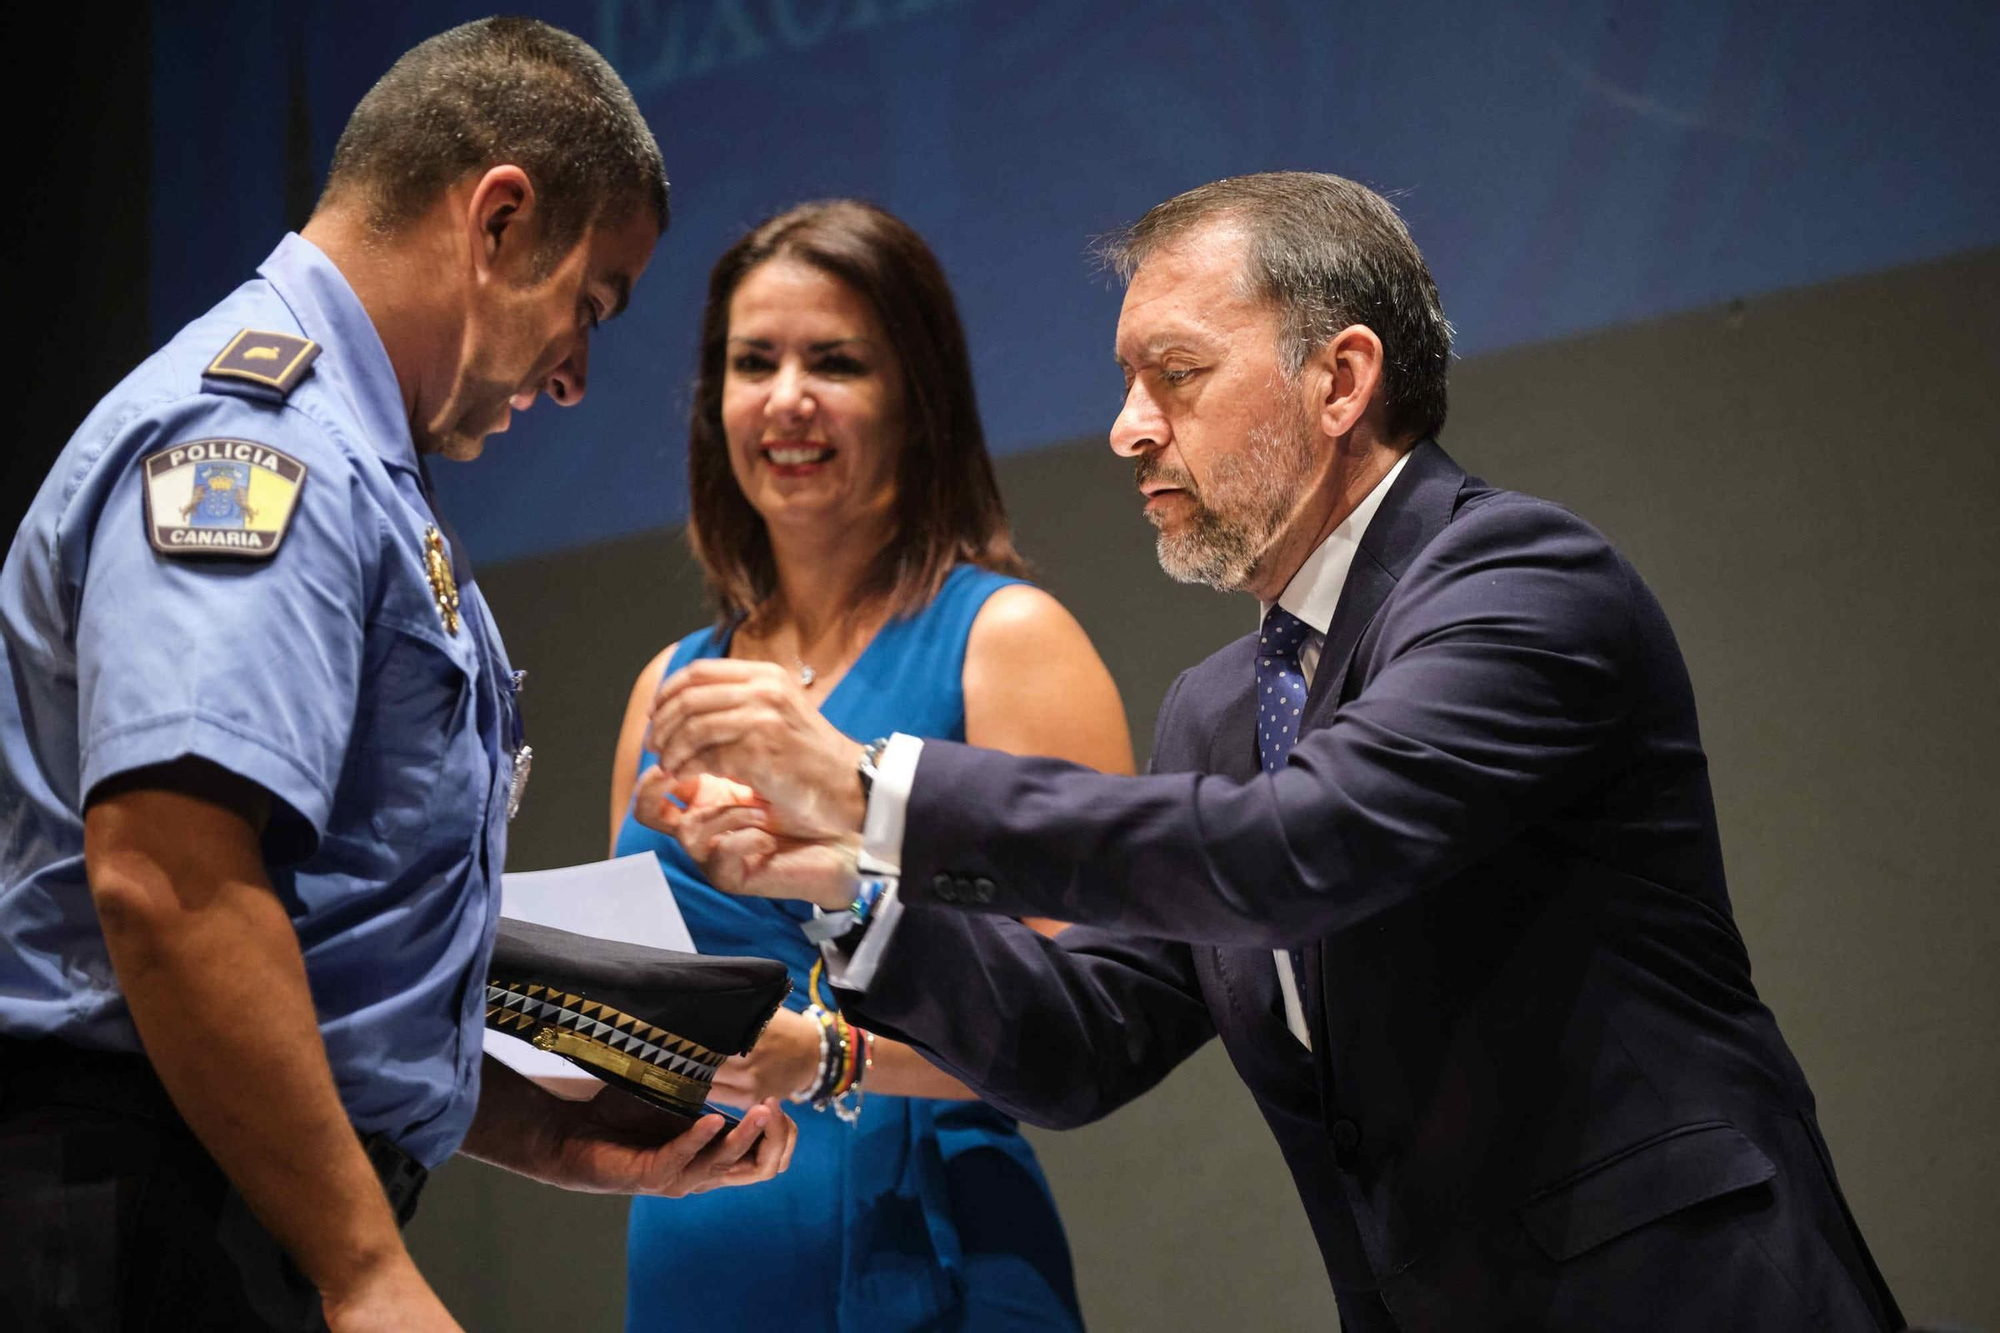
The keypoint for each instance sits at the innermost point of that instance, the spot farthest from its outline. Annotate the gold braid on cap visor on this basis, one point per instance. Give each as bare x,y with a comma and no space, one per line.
647,1061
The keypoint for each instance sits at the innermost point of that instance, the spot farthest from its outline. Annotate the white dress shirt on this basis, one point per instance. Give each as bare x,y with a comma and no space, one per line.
1312,595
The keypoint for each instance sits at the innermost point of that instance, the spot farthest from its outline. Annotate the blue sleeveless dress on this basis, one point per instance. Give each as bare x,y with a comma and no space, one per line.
926,1214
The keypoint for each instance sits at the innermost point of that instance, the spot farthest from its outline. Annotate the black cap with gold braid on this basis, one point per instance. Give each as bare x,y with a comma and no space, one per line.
652,1022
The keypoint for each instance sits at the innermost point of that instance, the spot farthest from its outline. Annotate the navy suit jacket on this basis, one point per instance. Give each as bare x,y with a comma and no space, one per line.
1542,1091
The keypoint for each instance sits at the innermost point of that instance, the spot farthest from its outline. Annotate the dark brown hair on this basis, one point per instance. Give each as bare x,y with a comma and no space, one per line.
1327,253
947,508
501,90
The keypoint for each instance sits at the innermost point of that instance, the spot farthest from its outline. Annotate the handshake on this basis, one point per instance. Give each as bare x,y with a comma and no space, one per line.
760,789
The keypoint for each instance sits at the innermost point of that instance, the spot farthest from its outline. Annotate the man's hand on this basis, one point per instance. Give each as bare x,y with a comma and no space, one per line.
617,1144
750,722
785,1060
727,830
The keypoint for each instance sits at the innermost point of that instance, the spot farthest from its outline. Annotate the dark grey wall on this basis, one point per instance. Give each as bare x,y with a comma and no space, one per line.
1807,481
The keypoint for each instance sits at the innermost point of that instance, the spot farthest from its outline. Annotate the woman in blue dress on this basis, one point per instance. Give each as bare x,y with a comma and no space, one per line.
845,514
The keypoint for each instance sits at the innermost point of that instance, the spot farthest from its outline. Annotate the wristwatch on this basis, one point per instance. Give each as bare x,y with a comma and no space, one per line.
871,755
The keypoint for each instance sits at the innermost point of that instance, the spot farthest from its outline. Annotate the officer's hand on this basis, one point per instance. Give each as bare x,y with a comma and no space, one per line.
617,1144
390,1297
727,831
752,723
784,1060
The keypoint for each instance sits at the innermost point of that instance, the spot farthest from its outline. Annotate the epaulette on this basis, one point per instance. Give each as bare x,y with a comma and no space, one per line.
260,365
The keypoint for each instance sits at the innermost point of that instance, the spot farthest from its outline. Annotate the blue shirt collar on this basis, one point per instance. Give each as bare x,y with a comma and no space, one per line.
351,355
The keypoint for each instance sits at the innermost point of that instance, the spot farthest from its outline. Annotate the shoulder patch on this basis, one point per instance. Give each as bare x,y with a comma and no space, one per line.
262,365
220,497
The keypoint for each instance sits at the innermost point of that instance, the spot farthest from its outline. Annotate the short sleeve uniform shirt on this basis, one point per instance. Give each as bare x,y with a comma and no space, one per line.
319,664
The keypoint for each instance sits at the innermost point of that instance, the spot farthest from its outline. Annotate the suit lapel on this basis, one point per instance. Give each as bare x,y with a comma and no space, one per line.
1413,512
1368,586
1233,747
1246,982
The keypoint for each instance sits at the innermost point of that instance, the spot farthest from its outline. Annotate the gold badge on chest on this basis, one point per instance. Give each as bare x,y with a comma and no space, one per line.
444,588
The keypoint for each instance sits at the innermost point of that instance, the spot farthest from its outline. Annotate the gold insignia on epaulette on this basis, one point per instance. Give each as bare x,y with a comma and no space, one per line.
220,497
275,360
444,586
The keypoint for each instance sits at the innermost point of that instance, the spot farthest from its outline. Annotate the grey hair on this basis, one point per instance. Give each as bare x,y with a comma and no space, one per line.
1327,253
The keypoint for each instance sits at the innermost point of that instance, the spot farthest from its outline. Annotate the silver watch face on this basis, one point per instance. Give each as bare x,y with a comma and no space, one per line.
871,753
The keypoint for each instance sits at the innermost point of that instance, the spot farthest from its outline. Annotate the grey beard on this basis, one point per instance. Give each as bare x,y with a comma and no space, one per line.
1211,551
1223,551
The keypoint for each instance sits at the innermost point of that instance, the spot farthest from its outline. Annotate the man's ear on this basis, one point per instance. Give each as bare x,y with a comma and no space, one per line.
501,220
1346,377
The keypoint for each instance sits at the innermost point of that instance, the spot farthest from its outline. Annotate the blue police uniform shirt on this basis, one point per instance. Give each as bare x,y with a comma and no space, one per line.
325,673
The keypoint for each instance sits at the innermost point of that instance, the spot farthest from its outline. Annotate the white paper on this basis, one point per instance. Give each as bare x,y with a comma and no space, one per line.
627,899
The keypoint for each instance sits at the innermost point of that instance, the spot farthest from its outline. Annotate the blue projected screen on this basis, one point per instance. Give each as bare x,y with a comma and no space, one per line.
1564,166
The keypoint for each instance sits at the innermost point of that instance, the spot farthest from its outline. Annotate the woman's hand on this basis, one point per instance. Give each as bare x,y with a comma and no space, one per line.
727,830
702,807
784,1061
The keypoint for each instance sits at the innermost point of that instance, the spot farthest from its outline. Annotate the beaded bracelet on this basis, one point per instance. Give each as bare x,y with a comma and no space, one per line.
810,1091
846,1054
825,927
853,1066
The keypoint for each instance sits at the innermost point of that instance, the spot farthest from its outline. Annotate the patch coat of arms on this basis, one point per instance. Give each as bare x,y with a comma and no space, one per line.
220,497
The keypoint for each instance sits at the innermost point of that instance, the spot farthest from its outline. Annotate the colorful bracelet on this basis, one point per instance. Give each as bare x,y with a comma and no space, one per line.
829,926
856,1059
846,1054
811,1090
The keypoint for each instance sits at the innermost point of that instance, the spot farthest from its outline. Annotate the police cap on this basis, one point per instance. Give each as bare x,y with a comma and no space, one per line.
653,1022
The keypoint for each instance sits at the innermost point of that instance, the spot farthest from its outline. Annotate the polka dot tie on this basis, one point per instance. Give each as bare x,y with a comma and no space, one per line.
1281,686
1281,702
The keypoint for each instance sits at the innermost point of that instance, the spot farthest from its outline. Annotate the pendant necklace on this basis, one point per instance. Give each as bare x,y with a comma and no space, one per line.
806,673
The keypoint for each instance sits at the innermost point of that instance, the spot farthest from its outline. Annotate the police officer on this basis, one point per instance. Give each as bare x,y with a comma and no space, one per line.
258,737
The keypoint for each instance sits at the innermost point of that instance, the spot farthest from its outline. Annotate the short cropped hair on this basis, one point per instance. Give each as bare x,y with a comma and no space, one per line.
501,91
1327,253
947,508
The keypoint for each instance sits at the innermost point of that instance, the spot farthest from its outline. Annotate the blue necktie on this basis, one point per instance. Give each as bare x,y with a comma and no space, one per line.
1281,702
1281,686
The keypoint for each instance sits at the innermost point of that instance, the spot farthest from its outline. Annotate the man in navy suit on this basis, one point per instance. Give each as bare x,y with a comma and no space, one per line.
1433,850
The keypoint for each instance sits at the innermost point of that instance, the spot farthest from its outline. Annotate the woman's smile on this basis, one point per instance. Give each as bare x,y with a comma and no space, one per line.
797,458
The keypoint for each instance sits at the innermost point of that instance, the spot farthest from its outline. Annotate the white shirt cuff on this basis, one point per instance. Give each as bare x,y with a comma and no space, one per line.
851,963
888,803
854,969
